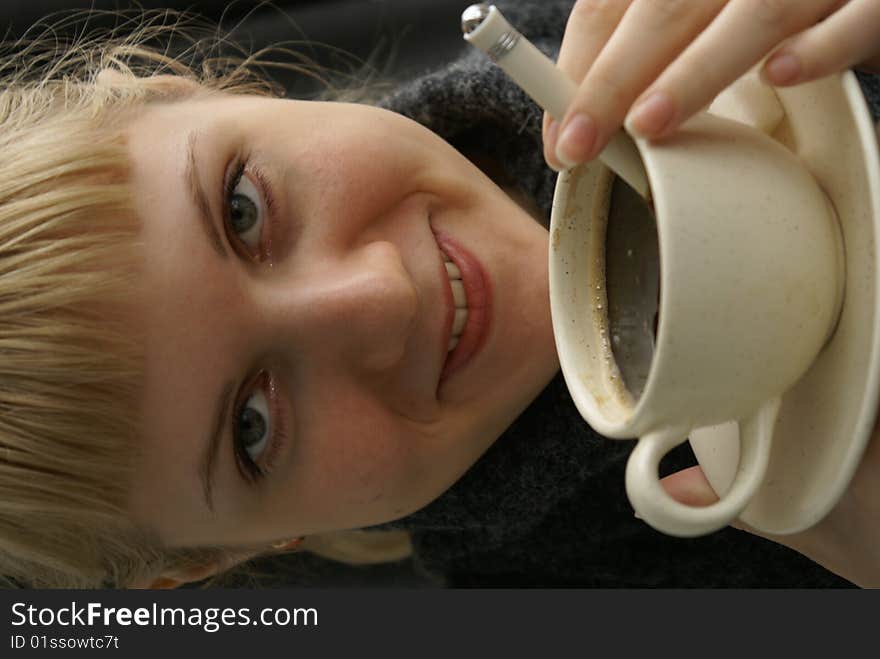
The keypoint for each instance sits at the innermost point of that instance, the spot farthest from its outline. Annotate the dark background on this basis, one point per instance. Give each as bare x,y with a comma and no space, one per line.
400,38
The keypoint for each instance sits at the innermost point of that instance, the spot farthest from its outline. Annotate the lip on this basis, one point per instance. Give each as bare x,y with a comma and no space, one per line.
477,289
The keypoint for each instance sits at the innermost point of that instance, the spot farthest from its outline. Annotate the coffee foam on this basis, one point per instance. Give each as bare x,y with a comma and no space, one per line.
610,388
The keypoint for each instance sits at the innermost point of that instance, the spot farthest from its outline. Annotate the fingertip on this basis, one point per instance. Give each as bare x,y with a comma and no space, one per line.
551,136
546,122
690,487
783,68
651,117
578,141
551,132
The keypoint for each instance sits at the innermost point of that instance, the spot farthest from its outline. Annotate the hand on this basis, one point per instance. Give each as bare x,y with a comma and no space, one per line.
846,541
657,62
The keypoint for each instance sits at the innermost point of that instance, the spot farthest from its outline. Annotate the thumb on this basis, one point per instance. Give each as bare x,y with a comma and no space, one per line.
690,487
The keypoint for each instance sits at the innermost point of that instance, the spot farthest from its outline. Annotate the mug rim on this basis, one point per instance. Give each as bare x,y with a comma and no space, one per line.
597,387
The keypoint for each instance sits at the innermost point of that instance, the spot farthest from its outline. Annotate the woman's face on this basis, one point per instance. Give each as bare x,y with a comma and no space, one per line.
298,314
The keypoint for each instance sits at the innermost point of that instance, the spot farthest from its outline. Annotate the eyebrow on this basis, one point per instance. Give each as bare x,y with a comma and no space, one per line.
198,196
212,447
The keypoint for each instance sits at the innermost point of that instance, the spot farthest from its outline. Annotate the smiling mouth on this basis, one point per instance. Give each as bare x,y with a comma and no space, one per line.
459,299
471,298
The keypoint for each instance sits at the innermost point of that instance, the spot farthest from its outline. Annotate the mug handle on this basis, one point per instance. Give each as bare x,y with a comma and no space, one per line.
657,508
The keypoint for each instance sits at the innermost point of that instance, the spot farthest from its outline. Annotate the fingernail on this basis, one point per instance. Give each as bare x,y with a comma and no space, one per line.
576,141
552,133
782,69
550,139
651,116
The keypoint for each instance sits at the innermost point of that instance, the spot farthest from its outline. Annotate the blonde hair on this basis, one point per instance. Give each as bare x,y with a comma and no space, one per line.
70,368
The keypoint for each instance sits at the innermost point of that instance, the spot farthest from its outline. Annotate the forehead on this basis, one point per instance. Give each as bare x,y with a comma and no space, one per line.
165,120
177,308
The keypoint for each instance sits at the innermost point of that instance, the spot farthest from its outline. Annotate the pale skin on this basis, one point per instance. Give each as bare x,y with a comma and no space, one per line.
651,64
340,298
372,436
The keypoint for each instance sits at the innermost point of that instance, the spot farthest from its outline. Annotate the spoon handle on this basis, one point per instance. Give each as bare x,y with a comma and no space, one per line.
487,29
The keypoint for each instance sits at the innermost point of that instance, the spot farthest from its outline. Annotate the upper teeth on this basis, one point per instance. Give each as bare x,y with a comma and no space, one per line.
458,296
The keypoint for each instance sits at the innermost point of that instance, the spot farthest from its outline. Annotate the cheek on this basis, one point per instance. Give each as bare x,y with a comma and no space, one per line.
365,180
355,459
368,161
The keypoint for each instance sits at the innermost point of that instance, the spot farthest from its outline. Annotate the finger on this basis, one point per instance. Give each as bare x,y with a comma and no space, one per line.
590,25
690,487
742,34
551,134
848,37
650,35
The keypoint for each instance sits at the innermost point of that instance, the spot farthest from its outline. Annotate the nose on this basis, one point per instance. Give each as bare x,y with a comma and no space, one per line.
360,306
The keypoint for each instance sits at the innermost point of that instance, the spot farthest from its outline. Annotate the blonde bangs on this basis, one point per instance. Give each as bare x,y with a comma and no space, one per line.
70,367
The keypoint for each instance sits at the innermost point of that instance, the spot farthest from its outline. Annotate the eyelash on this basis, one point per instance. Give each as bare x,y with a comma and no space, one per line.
237,171
251,471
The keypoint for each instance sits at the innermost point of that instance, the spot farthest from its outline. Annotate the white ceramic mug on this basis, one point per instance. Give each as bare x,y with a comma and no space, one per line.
704,310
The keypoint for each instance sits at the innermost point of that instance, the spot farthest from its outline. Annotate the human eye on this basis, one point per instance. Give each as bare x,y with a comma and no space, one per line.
244,208
252,431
